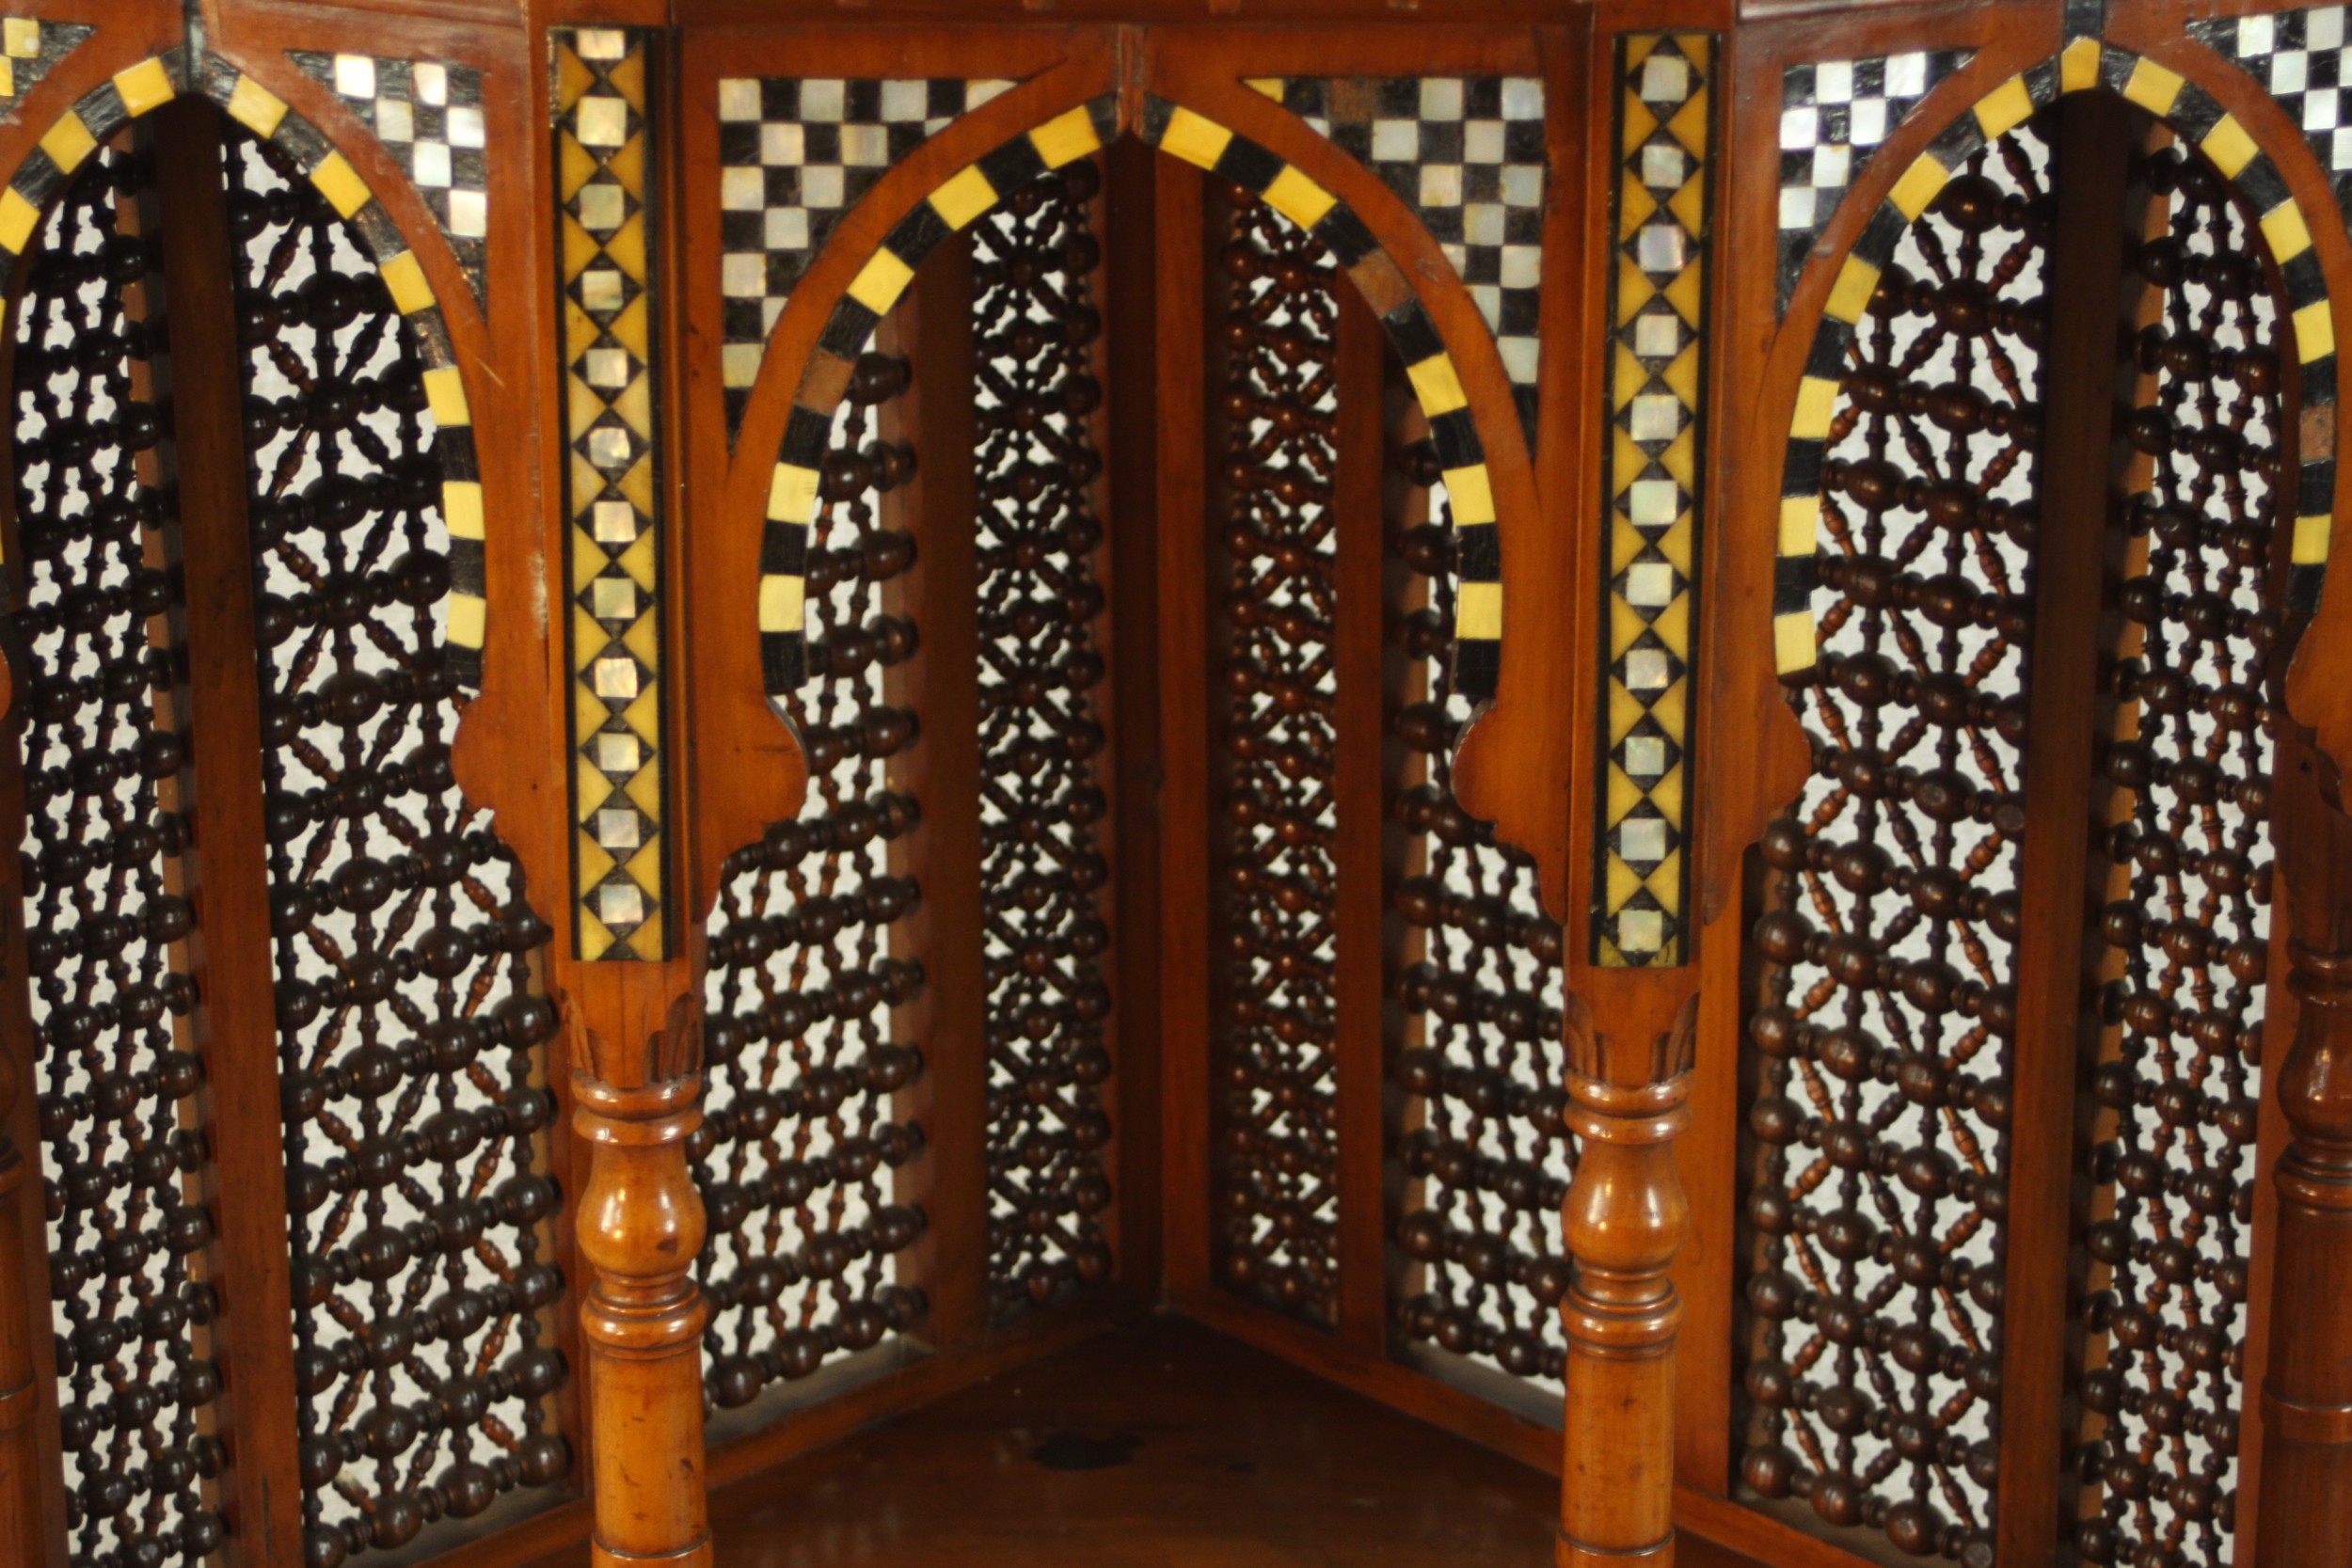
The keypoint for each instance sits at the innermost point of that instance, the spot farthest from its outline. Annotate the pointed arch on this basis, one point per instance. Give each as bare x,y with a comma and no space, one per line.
138,89
1462,426
2200,121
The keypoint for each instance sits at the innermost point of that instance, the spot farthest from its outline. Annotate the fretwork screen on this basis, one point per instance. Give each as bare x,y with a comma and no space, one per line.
368,1080
1893,1018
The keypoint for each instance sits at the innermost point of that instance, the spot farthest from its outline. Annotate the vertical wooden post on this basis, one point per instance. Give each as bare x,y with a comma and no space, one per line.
1626,1216
1361,792
640,1227
2046,1177
245,1176
1186,961
940,593
634,1024
2306,1501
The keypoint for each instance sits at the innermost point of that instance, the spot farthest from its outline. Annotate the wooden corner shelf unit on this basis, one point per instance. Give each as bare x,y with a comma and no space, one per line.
920,782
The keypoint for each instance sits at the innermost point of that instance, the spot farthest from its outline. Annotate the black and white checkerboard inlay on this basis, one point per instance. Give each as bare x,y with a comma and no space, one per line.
428,116
795,155
1467,154
2298,57
1834,114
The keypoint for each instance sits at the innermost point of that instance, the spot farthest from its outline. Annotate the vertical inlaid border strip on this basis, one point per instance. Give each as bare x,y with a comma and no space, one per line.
609,327
1653,479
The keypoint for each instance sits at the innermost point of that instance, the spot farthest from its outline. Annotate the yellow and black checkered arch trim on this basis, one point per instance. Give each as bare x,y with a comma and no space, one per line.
794,485
138,89
2200,121
1436,382
955,205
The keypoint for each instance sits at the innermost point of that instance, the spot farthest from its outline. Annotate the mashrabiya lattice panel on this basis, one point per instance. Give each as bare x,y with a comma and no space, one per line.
796,1150
1042,872
612,494
1279,817
1483,989
2185,933
1657,403
795,153
111,982
1466,154
1875,1193
428,115
412,1044
1834,114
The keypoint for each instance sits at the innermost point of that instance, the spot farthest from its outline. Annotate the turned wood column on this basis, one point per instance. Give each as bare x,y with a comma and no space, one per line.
1626,1217
2305,1478
640,1227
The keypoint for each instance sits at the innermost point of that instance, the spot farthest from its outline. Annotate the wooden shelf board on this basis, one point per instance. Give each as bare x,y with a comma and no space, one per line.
1154,1444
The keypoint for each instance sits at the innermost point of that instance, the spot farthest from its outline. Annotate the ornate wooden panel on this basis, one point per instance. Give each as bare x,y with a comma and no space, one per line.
1482,983
411,1062
1882,1045
1279,815
113,986
1043,875
2183,939
795,1154
411,1032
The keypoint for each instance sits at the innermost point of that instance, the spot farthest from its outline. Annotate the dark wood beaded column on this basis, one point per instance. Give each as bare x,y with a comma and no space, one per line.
1279,811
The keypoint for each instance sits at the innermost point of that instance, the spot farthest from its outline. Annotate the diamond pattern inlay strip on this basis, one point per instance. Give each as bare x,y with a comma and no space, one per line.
1657,407
612,494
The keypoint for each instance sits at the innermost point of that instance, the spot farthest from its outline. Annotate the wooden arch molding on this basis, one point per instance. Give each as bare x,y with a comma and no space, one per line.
418,281
1059,112
2201,121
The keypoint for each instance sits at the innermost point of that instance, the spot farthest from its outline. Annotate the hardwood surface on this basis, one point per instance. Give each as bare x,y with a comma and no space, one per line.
1159,1445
